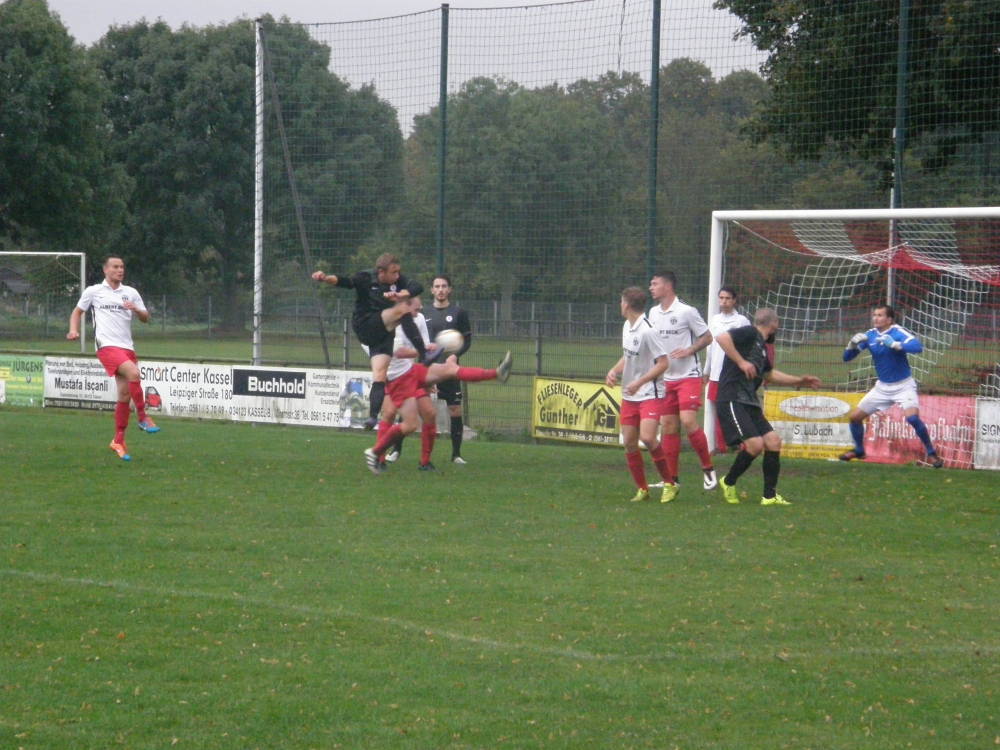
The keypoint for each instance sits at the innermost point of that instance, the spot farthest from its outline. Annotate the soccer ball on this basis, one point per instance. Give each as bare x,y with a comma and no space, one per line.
451,341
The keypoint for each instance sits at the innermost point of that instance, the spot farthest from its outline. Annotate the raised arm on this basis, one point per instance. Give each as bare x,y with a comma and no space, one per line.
779,378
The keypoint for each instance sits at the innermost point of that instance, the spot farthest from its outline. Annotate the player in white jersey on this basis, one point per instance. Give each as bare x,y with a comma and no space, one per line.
406,387
725,320
684,332
114,305
644,360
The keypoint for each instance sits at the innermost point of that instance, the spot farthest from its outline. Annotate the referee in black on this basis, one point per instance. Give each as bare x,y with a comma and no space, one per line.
442,316
382,294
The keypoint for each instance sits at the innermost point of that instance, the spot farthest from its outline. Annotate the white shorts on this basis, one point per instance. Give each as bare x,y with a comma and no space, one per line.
884,395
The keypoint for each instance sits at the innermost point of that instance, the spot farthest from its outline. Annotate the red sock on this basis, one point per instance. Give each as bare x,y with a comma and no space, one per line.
636,469
135,391
121,420
671,445
699,442
428,433
475,374
660,462
387,437
720,440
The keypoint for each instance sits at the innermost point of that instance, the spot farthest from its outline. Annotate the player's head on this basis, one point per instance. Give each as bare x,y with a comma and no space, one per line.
633,300
662,284
441,288
387,268
415,305
727,299
766,321
883,316
114,268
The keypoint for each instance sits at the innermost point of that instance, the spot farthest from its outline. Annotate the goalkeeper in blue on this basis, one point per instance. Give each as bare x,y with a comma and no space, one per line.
888,344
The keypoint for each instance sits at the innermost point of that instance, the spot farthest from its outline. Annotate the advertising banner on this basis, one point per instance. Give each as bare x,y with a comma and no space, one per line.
811,424
950,420
78,383
327,398
22,380
987,441
575,410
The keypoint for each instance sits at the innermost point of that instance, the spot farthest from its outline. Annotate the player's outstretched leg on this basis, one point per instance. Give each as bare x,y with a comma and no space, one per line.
921,429
858,435
739,467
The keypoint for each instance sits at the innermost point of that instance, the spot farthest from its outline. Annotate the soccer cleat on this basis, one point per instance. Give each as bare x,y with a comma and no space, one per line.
371,461
640,496
776,500
851,455
459,460
935,460
121,450
147,425
669,493
427,467
729,492
392,455
371,423
432,357
710,482
503,369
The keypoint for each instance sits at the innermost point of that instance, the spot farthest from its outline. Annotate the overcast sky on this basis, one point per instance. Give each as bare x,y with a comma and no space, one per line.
88,20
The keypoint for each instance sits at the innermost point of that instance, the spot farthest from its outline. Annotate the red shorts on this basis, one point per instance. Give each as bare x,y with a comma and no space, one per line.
113,357
713,389
681,395
411,384
634,412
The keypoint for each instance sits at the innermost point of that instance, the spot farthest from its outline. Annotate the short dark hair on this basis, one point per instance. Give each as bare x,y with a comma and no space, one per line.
668,276
731,291
107,259
385,260
889,312
635,298
442,276
765,316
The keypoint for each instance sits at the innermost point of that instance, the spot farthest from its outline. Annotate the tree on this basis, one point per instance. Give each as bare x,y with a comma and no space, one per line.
57,186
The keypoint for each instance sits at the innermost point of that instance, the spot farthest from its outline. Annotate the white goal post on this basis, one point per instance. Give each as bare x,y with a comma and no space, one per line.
38,265
824,270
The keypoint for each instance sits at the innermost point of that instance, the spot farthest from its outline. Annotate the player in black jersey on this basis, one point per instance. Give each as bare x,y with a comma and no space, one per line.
747,366
380,306
442,316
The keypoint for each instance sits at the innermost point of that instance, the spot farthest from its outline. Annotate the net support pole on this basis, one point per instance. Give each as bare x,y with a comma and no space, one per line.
711,308
442,135
258,194
898,137
83,318
654,132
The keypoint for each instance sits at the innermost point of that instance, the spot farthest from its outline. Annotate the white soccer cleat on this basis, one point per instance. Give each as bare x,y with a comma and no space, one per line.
371,461
503,369
710,482
459,460
392,456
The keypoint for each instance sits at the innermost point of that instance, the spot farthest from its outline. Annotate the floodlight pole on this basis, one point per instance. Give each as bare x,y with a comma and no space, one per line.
83,318
899,139
258,193
711,308
654,125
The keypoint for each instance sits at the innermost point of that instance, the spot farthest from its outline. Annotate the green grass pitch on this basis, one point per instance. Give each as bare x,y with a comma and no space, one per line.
240,587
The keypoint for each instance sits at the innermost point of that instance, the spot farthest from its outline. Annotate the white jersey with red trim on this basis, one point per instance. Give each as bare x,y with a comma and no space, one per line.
112,322
398,365
641,347
679,326
714,356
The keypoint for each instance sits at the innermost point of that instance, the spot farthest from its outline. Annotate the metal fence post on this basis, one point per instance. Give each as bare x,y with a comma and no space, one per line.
163,317
538,349
210,316
347,345
496,312
46,315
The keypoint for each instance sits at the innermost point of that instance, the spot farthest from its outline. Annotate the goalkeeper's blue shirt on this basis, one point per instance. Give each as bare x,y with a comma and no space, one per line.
891,365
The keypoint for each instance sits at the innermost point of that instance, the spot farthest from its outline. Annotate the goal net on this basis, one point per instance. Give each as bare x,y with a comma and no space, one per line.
823,272
38,291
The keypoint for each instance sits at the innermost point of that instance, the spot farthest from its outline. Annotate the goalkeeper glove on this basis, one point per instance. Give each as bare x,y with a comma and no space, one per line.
886,340
856,339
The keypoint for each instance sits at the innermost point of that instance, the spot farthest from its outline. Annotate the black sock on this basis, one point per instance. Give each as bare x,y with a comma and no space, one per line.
456,436
740,465
398,446
409,326
375,399
772,467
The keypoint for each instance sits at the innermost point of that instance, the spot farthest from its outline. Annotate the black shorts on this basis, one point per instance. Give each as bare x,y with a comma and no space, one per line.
740,422
371,331
450,391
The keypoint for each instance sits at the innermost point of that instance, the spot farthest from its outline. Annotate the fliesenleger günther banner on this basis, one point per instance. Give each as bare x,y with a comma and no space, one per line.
243,394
